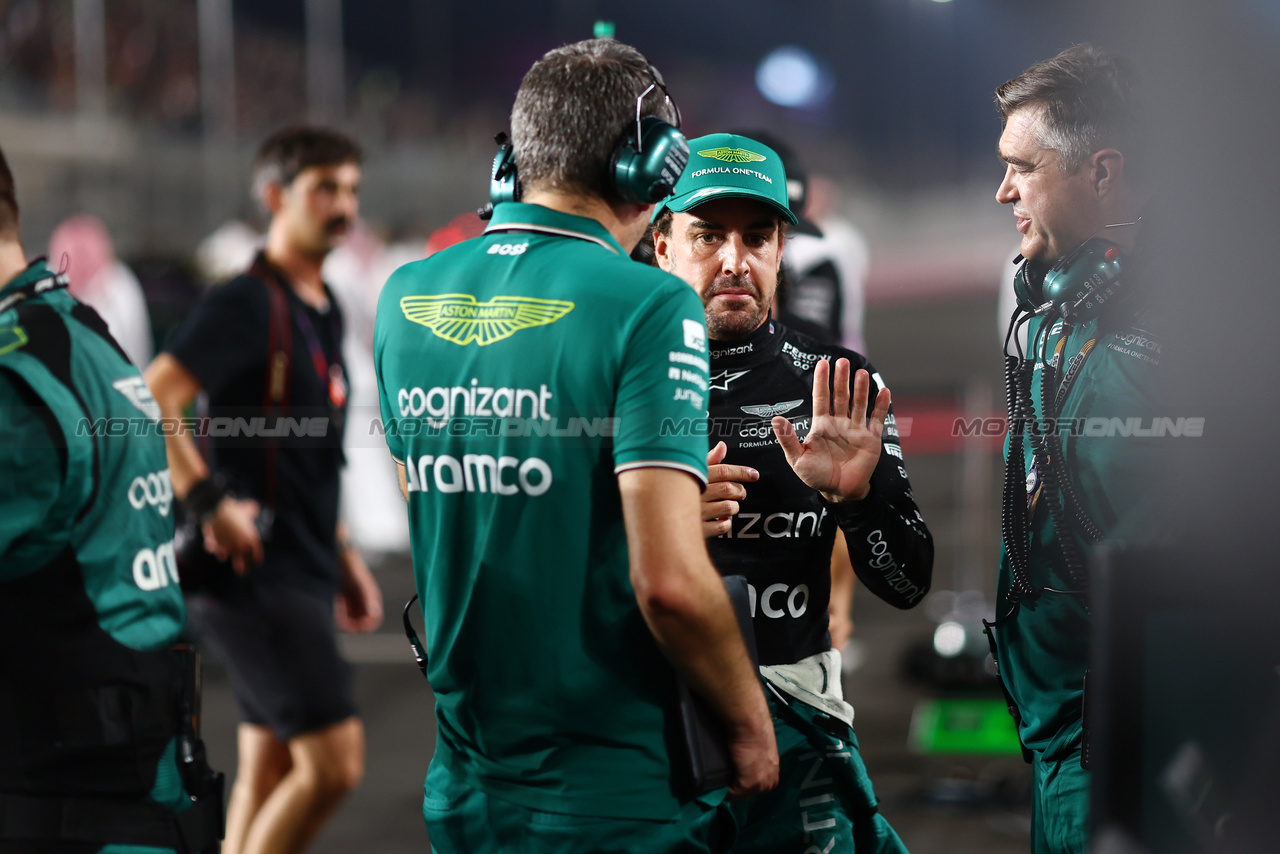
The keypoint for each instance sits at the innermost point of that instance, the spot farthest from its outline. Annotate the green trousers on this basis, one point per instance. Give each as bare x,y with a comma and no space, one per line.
1060,805
465,820
824,803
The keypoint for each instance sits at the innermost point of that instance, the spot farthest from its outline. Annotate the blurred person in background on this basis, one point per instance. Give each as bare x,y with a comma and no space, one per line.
821,290
775,504
371,502
92,716
81,247
563,578
269,343
1074,180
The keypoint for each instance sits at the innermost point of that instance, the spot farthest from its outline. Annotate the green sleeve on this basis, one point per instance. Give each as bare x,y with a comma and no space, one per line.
30,470
661,403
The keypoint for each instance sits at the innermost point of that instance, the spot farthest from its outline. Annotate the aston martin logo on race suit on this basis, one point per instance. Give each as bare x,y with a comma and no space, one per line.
461,319
768,410
732,155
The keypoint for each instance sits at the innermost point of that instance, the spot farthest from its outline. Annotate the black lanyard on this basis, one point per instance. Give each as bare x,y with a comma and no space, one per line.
331,375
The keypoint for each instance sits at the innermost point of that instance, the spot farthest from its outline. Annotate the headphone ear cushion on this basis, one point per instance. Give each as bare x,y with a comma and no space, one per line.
648,174
1028,284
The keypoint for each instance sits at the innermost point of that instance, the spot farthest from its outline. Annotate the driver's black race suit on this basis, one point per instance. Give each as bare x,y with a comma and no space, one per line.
781,540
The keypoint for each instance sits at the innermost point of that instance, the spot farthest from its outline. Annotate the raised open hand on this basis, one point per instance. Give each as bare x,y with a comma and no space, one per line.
843,445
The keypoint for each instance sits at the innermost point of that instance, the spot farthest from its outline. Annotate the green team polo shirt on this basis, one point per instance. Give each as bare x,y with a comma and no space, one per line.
1114,432
518,374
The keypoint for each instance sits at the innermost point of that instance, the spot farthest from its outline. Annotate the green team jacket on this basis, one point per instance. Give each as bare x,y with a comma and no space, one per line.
1113,432
89,599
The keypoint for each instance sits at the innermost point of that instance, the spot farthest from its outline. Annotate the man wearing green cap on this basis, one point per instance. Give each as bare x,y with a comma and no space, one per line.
809,457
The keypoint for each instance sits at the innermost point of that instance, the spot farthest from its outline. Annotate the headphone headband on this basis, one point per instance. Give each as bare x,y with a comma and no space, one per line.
657,83
643,169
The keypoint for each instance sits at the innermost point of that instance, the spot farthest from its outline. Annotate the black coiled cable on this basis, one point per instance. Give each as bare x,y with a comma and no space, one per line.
1013,508
1050,464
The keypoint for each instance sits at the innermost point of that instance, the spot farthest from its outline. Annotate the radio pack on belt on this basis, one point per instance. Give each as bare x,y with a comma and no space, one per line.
196,828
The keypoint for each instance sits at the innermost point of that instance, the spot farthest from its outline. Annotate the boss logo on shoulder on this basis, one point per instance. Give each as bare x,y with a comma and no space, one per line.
508,248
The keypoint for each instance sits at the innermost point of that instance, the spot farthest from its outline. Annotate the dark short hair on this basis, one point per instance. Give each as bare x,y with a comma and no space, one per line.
1091,101
662,224
572,109
8,201
287,152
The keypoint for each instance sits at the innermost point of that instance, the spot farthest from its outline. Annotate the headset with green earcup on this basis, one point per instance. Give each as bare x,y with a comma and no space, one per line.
1077,287
646,172
648,163
504,182
644,167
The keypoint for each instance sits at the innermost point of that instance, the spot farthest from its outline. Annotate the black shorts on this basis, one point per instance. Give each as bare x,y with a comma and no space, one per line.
280,648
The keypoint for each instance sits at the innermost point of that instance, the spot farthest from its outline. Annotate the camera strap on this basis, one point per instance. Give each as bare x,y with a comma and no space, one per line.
275,389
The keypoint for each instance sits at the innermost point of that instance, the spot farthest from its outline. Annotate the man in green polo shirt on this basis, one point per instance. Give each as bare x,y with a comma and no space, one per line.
1088,428
91,698
525,377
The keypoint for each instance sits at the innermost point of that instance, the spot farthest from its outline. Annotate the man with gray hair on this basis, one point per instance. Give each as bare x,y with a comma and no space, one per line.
534,384
1072,145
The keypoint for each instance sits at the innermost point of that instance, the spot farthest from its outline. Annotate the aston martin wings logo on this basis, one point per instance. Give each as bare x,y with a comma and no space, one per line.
461,318
768,410
732,155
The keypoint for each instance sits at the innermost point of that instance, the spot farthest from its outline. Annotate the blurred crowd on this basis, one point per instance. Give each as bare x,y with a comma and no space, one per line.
153,71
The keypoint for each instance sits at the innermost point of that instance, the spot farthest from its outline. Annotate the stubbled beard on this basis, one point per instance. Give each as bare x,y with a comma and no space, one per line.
734,325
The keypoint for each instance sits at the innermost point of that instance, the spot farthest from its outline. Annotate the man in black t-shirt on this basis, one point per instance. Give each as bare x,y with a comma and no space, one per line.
267,350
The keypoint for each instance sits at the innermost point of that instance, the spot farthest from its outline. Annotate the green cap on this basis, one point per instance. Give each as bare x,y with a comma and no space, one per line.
728,166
